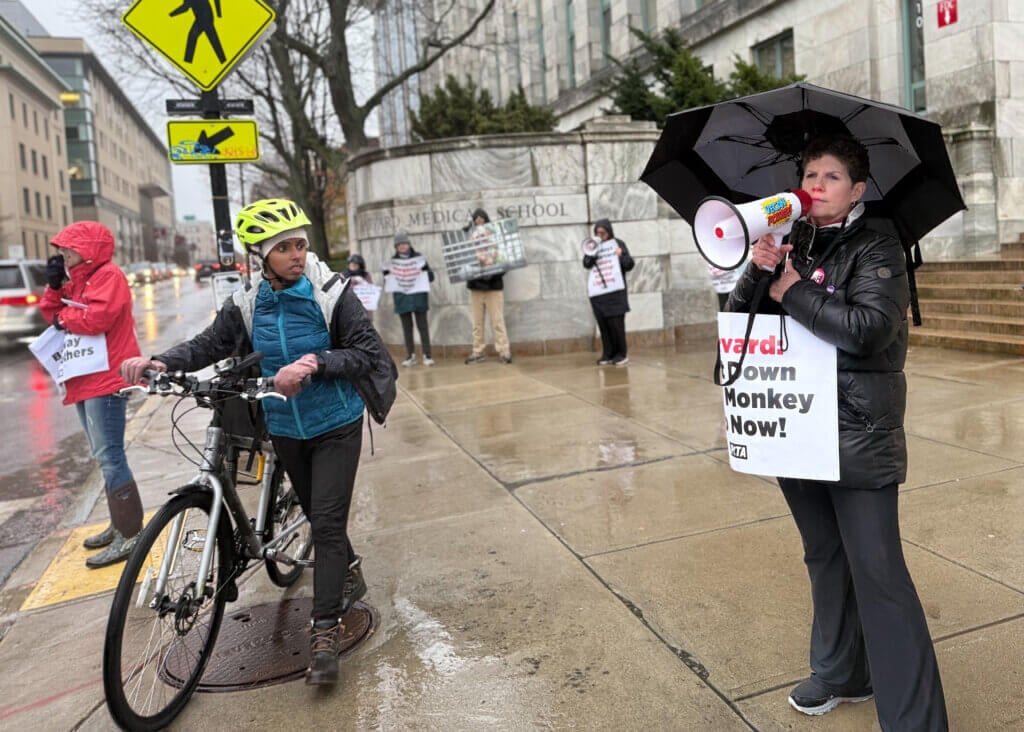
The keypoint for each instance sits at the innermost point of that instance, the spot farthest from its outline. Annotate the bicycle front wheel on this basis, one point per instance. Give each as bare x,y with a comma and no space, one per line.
285,510
157,645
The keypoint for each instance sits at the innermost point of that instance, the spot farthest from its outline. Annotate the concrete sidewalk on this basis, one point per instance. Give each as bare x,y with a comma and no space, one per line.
555,545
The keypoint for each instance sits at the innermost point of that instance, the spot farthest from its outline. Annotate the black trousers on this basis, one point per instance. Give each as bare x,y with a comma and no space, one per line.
869,627
323,472
613,335
421,326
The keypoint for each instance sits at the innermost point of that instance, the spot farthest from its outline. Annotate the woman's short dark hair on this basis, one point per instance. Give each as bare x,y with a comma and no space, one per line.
848,150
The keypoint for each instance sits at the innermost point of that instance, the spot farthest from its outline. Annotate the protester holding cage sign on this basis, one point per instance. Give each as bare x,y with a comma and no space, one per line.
486,295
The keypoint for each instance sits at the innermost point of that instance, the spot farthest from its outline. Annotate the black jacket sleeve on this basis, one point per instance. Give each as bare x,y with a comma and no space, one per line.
354,342
589,261
224,337
625,259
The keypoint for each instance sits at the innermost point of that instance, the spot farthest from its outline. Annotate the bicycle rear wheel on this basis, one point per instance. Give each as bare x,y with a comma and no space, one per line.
284,510
157,647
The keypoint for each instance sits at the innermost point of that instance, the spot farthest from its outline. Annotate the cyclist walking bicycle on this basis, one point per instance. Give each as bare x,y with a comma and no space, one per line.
324,354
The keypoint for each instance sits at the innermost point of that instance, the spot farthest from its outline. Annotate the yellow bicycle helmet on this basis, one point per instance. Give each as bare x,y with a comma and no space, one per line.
268,218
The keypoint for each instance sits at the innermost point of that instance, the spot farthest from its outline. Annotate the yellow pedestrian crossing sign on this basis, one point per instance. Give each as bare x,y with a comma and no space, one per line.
203,39
213,141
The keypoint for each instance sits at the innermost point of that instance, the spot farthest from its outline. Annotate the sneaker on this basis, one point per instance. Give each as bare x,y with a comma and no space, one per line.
428,361
324,640
117,551
621,361
100,540
604,361
506,359
815,698
474,358
411,361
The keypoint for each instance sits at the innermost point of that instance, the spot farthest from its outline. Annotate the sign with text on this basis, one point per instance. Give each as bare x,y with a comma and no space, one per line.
203,39
66,355
407,276
782,413
213,141
369,295
482,251
606,274
947,12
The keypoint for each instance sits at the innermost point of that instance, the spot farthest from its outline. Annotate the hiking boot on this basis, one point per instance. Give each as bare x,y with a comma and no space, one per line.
816,698
100,540
505,359
117,551
474,358
411,361
324,640
428,361
355,586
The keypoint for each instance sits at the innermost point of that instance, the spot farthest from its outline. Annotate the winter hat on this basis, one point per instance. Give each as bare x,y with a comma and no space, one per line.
267,245
402,238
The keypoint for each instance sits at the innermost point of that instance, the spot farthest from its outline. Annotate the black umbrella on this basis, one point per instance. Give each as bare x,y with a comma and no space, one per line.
748,148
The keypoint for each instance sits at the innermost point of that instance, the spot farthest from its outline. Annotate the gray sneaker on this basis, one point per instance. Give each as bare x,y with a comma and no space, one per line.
117,551
815,698
411,361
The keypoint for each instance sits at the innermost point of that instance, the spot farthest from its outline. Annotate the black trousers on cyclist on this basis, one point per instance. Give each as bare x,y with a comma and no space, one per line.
323,472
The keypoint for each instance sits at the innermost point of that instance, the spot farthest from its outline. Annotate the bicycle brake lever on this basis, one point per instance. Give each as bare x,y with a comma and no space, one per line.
271,395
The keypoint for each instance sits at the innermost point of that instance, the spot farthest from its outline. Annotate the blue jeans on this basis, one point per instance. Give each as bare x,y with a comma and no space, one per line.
103,419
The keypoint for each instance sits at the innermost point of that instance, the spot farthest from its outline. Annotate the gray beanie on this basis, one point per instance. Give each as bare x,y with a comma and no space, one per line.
402,238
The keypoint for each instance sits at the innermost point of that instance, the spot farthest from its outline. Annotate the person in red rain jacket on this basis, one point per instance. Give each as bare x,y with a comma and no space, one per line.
82,273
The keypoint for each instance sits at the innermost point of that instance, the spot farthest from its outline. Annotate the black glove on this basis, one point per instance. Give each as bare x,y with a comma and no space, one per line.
55,274
56,322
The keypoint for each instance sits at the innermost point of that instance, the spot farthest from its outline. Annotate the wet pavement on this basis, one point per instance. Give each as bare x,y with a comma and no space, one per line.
555,545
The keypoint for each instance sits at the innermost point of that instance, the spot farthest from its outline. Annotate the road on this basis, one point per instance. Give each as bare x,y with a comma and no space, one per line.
45,456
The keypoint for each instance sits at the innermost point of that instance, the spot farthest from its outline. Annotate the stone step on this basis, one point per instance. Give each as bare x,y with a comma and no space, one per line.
971,325
969,265
924,336
1001,293
971,277
972,307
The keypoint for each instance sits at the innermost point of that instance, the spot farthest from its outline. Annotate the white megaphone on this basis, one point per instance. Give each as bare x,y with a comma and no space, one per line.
724,230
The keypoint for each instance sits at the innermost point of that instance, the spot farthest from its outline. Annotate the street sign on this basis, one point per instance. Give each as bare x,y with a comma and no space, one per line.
213,141
203,39
222,106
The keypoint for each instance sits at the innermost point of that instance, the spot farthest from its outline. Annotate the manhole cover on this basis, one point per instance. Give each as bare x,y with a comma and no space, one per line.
266,644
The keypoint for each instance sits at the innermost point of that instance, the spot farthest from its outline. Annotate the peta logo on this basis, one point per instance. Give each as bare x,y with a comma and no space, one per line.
738,451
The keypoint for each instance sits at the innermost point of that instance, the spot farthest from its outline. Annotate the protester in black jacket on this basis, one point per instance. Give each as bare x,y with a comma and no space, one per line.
846,281
486,298
610,308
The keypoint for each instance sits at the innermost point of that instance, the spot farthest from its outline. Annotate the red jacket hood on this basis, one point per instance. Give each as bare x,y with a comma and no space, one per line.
91,239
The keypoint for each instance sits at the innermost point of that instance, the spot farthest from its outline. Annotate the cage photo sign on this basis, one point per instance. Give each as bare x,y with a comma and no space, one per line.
482,251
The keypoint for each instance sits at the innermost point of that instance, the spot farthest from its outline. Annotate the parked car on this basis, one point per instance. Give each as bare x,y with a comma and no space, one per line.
21,288
206,268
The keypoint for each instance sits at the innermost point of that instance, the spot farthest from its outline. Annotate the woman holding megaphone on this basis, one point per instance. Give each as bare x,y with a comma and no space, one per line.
606,286
844,278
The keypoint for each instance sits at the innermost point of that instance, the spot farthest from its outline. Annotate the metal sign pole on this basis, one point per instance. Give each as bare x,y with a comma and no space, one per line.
210,102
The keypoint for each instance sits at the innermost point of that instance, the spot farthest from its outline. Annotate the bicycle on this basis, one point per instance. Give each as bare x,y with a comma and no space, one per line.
169,603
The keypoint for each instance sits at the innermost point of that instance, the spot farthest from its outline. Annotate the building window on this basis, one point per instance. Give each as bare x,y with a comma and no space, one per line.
649,14
39,205
60,176
14,115
64,215
46,169
35,164
49,210
35,120
542,56
21,155
913,55
570,38
46,128
606,29
28,200
24,115
775,56
57,138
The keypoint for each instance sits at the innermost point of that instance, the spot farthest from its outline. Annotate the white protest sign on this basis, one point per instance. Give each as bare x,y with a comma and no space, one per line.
65,355
606,274
782,413
407,276
369,295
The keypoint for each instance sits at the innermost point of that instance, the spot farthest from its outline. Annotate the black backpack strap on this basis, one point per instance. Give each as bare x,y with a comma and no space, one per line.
330,283
914,260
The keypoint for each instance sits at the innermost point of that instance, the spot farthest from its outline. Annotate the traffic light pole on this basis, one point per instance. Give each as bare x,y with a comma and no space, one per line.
210,102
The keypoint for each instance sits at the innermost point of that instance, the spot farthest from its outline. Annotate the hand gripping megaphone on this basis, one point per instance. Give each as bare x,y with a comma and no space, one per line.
724,230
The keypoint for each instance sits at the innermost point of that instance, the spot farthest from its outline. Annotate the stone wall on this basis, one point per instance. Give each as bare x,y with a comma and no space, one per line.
555,185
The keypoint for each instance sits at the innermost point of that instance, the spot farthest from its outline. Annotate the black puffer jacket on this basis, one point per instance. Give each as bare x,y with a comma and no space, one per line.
860,306
357,353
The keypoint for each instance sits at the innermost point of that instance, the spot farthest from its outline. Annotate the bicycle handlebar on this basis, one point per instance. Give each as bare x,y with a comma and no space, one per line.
178,383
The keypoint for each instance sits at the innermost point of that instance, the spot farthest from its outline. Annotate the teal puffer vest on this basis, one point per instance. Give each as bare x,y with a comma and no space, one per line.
287,325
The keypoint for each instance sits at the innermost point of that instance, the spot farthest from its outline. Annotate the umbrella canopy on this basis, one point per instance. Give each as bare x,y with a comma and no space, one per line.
748,148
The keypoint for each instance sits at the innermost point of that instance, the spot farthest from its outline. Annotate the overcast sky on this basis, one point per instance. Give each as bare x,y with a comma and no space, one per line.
191,182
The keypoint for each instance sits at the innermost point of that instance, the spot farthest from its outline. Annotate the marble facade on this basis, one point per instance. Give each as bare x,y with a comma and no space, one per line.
555,185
